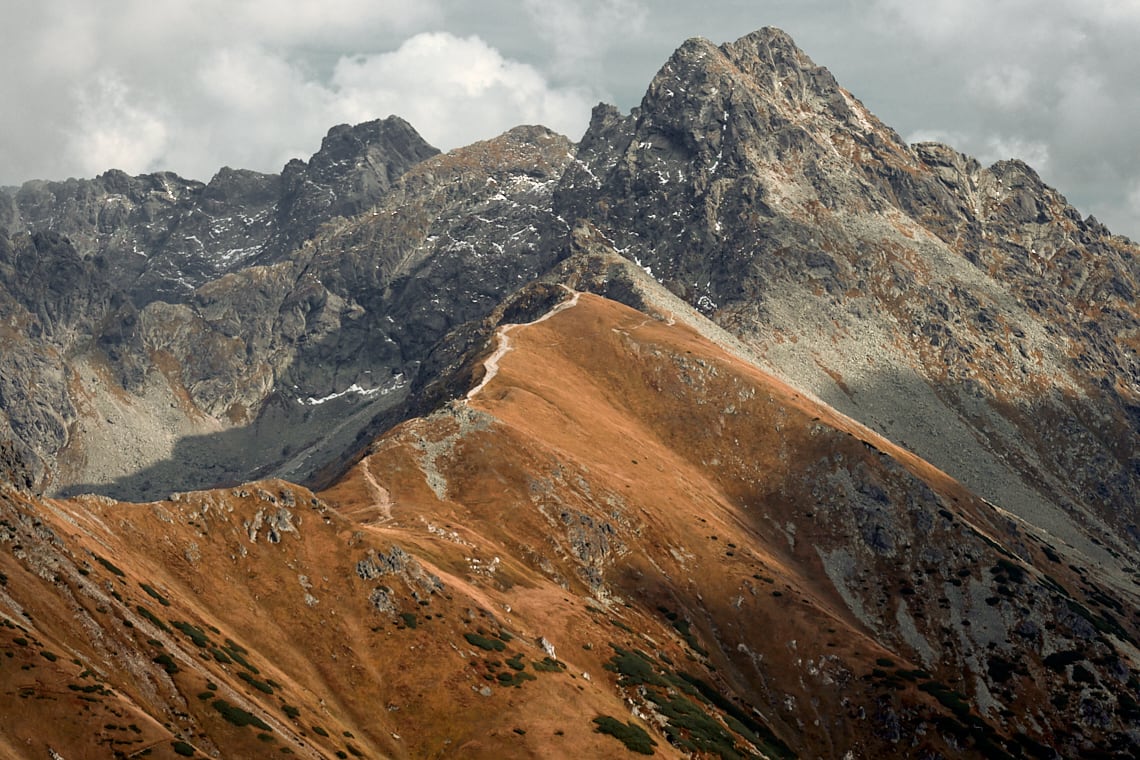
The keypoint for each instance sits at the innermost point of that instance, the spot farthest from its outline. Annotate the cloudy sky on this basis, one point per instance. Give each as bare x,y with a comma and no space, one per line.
194,85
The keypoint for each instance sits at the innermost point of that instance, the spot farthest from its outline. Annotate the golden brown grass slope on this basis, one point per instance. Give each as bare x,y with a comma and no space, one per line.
624,522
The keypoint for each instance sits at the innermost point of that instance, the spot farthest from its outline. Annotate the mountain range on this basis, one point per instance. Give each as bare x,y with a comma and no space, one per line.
738,428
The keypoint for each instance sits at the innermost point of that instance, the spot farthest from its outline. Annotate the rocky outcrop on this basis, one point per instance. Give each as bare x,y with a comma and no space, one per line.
251,369
160,236
354,168
952,306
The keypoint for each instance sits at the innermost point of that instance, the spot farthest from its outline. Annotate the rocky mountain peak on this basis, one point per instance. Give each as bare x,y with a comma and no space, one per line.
355,166
771,58
385,146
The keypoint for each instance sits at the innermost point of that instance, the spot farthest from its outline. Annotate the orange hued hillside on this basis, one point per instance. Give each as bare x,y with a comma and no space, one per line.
623,523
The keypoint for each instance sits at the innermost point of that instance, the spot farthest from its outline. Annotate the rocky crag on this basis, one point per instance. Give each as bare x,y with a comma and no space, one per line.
745,426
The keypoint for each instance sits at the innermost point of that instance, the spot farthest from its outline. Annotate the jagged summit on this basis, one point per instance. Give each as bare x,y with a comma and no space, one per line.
751,184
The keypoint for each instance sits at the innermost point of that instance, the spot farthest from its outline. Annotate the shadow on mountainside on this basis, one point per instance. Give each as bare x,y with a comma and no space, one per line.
1038,460
312,444
296,444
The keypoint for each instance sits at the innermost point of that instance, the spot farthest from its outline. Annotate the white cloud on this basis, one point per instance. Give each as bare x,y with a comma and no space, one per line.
579,32
990,148
196,84
1006,86
340,23
953,139
190,87
934,21
1001,147
455,89
114,131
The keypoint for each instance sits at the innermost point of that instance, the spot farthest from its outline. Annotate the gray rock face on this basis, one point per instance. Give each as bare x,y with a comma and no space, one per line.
262,361
160,236
968,312
353,169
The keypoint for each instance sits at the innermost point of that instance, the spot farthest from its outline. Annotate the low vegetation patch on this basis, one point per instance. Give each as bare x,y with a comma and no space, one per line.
478,640
1058,660
685,629
692,728
154,620
193,632
634,737
157,596
634,667
167,662
238,716
691,725
518,678
548,665
259,685
237,653
110,566
953,700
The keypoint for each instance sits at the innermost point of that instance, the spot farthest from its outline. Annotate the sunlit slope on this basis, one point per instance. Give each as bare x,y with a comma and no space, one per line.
624,540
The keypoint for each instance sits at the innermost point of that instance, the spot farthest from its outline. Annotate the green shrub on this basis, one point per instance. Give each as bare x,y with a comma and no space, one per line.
634,667
686,632
618,624
769,743
548,665
291,711
506,678
110,566
409,619
633,737
491,645
692,727
955,701
159,597
167,662
238,716
195,634
233,646
1058,660
182,748
259,685
237,653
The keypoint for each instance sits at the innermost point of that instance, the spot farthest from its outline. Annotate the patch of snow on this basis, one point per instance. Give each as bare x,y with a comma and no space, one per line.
398,381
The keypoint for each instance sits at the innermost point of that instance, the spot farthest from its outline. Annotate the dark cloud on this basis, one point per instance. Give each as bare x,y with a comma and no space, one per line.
193,86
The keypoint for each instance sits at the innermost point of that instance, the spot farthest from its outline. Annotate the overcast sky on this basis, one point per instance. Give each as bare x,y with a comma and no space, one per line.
193,85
